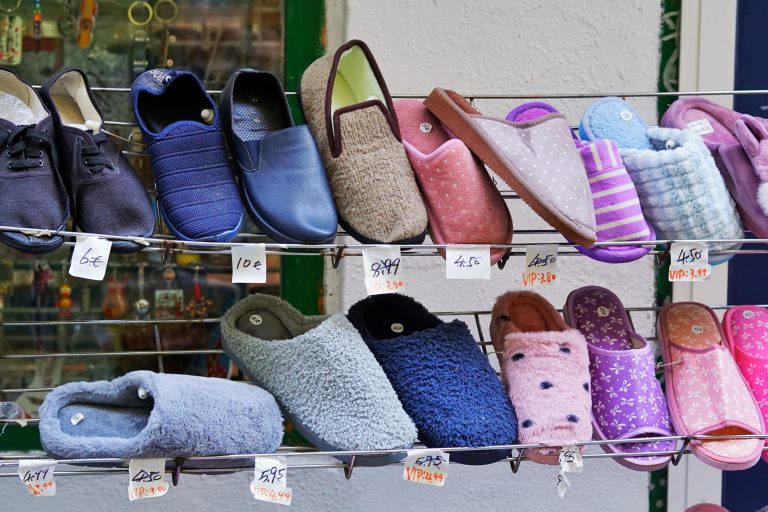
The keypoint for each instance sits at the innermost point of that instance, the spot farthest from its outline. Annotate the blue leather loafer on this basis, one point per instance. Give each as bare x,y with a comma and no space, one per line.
284,183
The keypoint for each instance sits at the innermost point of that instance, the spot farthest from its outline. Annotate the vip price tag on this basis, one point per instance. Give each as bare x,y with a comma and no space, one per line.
270,478
249,263
146,479
540,265
37,476
382,270
689,262
90,257
428,467
467,262
570,459
562,483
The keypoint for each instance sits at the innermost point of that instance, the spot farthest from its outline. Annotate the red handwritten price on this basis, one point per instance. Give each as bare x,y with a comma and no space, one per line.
271,493
42,489
424,476
691,273
376,286
428,467
538,278
137,492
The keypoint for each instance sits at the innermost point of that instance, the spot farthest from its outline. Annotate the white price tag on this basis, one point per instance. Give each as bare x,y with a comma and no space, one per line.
562,483
428,467
540,265
146,479
570,459
249,263
701,127
382,270
270,478
689,262
467,262
90,257
37,476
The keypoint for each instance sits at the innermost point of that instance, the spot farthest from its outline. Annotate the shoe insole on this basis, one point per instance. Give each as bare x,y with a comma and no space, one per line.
598,316
68,109
105,420
355,80
256,116
691,326
267,324
385,322
182,100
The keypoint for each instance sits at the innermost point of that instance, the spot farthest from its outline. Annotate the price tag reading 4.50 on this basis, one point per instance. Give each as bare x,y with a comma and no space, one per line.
270,478
540,265
90,257
382,270
249,263
146,479
429,467
467,262
689,262
37,476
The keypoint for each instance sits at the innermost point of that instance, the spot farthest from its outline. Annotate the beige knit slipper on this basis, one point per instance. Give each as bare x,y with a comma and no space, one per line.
349,110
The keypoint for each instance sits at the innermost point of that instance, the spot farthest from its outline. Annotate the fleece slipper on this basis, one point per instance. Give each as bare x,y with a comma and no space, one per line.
545,367
627,400
617,207
348,107
536,158
445,382
322,374
746,332
463,204
706,393
681,192
706,507
739,144
146,415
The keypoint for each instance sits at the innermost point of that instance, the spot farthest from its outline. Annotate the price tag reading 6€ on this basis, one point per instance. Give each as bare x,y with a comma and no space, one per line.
90,257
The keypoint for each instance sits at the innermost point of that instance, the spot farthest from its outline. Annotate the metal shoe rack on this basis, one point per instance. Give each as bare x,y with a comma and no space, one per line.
310,458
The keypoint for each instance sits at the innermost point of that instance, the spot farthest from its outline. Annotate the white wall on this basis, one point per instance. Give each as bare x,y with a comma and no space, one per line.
491,46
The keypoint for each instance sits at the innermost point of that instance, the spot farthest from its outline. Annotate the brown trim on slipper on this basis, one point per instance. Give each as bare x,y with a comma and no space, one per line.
331,120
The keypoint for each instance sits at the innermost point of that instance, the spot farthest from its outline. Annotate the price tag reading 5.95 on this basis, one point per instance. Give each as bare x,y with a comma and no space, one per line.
428,467
382,270
689,262
467,262
540,265
270,478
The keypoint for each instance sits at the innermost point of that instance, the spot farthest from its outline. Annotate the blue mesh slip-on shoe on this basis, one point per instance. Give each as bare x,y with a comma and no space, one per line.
199,198
107,196
444,381
32,194
284,183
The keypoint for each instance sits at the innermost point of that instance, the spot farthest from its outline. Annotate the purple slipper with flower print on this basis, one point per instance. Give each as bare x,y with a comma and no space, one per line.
627,401
617,206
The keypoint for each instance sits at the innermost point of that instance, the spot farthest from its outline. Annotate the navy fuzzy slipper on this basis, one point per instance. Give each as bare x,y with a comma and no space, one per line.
444,381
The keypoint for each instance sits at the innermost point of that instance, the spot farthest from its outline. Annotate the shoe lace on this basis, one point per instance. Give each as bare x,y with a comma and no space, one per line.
93,155
24,145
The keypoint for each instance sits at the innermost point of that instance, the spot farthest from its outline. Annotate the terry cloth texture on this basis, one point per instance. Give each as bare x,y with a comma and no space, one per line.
181,416
445,382
681,190
321,372
545,368
371,179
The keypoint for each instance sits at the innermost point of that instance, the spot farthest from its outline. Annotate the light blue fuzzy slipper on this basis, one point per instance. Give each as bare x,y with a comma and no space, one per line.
323,375
147,415
681,191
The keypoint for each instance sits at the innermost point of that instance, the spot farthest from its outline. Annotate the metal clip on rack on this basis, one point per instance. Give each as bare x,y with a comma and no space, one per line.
337,251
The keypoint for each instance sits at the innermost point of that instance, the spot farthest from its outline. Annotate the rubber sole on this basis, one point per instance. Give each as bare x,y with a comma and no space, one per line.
446,110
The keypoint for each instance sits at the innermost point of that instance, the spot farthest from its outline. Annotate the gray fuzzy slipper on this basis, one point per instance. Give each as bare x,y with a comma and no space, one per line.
323,375
146,415
350,112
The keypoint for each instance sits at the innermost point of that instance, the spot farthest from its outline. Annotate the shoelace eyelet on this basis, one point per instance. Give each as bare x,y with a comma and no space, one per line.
39,163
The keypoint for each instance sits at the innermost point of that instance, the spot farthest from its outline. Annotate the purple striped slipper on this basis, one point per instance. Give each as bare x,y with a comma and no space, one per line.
617,207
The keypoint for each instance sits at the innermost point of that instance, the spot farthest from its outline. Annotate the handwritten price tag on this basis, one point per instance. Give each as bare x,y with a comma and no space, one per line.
37,476
467,262
249,263
270,478
689,262
428,467
570,459
562,483
382,270
146,479
540,265
90,257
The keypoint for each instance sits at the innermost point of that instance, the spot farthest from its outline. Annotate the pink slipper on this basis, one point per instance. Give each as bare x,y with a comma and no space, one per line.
706,507
463,205
545,367
746,332
706,393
